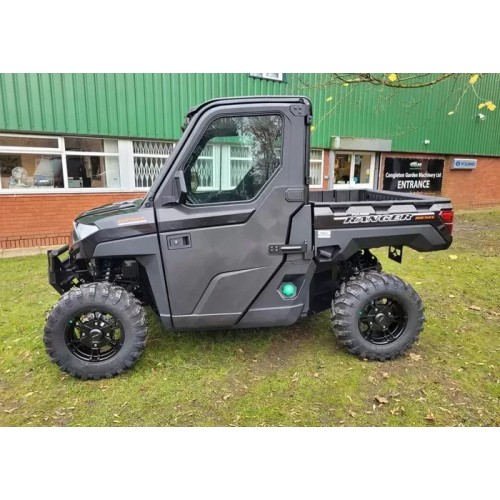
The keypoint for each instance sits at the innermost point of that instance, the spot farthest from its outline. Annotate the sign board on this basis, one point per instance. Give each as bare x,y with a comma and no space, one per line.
464,164
413,174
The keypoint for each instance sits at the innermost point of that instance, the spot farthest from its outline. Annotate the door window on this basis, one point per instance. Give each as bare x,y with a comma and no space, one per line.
234,160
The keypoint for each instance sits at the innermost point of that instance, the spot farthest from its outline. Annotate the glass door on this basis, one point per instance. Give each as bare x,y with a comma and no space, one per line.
354,170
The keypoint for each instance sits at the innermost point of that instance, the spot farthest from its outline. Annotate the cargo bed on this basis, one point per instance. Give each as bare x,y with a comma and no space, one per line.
346,221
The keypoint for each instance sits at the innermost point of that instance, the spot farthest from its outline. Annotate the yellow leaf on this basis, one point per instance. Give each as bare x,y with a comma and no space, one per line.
474,79
328,99
453,257
392,77
491,106
345,84
313,128
482,105
451,112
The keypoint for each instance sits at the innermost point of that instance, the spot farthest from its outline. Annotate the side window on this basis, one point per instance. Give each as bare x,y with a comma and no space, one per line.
235,159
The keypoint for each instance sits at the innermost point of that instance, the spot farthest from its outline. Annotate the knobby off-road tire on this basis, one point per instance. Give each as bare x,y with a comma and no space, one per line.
112,318
377,316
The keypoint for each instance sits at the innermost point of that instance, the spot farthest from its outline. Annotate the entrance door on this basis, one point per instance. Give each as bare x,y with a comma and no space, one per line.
240,165
354,170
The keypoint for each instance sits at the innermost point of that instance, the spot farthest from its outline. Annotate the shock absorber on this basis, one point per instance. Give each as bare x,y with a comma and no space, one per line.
106,269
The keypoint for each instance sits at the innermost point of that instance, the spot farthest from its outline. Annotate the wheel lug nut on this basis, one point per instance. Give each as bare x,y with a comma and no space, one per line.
95,345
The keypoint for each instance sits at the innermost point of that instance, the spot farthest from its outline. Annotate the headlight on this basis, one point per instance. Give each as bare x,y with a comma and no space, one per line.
84,230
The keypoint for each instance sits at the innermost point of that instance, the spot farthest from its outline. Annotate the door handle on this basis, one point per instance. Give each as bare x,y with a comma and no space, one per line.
179,241
283,249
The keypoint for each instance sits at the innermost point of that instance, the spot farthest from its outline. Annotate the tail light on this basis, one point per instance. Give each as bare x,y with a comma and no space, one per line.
447,218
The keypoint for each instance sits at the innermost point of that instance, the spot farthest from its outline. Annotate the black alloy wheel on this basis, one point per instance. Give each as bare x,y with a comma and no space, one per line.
383,320
94,335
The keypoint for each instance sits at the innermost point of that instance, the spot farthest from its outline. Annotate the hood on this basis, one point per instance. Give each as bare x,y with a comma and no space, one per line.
118,208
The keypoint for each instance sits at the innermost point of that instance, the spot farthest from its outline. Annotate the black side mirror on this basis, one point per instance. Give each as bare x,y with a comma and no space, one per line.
179,189
180,185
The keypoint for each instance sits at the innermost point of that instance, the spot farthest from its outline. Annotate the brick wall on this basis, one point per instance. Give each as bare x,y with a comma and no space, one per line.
46,219
467,188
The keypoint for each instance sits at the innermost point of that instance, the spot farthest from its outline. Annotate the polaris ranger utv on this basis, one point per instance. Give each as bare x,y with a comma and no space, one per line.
229,236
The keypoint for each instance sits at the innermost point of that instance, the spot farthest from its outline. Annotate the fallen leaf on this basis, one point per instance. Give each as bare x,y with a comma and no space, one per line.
475,308
345,84
385,375
430,417
295,377
316,375
453,257
328,99
226,397
313,128
352,414
418,282
27,395
451,296
451,112
381,400
371,379
392,77
491,106
415,357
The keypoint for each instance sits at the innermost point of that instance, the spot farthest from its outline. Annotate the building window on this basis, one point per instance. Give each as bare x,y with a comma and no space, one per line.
316,168
37,162
354,170
30,162
92,163
277,77
149,158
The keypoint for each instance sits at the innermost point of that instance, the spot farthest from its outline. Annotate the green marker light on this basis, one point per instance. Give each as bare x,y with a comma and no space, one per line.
288,289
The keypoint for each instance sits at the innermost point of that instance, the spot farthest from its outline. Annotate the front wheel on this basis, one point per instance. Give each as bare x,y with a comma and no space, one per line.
377,316
95,331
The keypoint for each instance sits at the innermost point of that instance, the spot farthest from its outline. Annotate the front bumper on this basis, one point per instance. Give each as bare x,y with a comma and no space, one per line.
61,274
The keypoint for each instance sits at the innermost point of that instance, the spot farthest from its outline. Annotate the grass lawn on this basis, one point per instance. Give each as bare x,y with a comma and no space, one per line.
296,376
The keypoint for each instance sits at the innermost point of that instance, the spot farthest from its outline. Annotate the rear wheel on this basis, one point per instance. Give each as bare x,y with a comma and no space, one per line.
377,315
96,331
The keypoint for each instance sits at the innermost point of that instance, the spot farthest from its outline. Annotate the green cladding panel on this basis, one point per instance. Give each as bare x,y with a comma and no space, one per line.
154,105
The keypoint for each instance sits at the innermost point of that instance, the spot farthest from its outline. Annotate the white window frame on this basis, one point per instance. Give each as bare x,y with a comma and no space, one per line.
237,158
125,160
322,162
351,184
266,76
222,167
